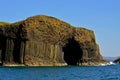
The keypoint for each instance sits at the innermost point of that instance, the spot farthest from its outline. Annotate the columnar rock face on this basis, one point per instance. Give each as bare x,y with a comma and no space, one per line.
43,40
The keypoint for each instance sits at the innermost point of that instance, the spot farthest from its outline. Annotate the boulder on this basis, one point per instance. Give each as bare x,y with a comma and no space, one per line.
47,41
117,60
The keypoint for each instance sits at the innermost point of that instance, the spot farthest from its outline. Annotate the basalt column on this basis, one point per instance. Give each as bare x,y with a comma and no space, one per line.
9,51
47,41
20,44
19,51
2,48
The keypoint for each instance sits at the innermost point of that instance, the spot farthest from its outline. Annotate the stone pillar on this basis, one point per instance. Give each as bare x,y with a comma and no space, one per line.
59,54
85,55
9,51
22,52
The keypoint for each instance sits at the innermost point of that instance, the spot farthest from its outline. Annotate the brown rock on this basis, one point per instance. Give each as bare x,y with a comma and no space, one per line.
43,40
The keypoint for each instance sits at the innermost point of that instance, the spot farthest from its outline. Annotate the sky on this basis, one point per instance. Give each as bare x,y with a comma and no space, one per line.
101,16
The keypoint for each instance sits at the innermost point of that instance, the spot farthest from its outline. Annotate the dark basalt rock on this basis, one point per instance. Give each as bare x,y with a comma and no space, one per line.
117,60
43,40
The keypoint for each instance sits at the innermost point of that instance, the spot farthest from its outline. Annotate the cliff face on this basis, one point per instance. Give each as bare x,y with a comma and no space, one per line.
43,40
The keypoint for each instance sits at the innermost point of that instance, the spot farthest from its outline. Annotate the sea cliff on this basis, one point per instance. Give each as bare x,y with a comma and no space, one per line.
47,41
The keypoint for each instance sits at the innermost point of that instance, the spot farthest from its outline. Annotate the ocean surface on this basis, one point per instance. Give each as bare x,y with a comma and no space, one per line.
109,72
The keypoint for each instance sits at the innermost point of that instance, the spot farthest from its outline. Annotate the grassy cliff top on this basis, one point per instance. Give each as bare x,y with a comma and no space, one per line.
4,23
48,29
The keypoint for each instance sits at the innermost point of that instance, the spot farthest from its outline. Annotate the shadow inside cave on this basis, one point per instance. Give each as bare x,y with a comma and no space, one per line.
72,52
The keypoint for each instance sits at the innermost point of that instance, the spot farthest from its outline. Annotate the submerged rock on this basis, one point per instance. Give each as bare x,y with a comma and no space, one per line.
44,40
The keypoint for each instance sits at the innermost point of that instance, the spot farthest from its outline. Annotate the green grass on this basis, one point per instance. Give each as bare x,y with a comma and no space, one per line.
4,23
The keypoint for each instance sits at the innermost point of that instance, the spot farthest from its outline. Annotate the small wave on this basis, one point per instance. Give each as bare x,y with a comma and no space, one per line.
109,63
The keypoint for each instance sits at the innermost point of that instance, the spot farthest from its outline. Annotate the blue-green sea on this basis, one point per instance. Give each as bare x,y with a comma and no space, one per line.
110,72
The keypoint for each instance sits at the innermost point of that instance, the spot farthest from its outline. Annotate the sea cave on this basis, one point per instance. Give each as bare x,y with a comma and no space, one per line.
72,52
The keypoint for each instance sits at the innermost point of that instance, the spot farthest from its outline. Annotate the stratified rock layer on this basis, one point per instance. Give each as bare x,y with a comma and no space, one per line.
43,40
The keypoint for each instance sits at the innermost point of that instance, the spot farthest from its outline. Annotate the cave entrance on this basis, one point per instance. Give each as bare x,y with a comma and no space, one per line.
72,52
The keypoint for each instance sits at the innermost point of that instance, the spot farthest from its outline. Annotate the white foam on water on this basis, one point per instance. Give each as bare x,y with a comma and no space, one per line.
109,63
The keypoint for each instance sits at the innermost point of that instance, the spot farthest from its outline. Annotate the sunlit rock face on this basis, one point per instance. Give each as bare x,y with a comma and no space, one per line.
47,41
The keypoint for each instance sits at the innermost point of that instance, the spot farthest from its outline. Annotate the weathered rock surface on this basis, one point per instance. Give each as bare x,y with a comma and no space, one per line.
43,40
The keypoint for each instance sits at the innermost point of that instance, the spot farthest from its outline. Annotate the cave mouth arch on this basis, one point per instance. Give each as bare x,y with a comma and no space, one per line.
72,52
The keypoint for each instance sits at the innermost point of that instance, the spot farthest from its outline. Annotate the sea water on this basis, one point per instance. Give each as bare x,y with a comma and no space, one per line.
109,72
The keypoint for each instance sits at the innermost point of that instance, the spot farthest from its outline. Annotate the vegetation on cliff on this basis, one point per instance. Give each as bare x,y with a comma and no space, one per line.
44,40
4,23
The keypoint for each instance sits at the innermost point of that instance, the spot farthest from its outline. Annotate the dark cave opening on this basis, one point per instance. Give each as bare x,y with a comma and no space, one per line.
72,52
19,49
3,48
16,50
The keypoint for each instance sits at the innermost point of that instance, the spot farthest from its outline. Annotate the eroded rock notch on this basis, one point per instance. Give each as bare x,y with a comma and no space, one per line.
72,52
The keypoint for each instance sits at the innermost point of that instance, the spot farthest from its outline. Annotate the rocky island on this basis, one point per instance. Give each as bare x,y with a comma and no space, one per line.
117,60
47,41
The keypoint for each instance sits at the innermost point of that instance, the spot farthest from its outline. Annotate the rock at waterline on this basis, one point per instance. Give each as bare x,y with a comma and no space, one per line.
117,60
44,40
